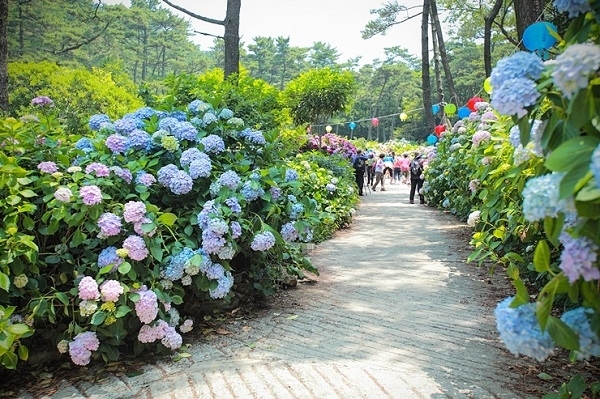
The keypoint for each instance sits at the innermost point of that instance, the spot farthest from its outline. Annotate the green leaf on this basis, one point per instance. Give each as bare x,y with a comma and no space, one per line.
62,297
589,192
23,352
581,108
18,329
562,334
78,238
572,153
122,311
27,193
105,269
541,257
522,296
124,268
553,228
577,386
9,360
168,219
573,178
98,318
13,199
4,282
545,377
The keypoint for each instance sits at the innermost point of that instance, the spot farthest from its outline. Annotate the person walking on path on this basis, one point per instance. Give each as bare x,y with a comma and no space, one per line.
379,168
416,179
397,169
370,168
359,165
405,167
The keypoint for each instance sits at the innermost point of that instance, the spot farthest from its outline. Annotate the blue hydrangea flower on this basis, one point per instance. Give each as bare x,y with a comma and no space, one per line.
307,234
253,136
595,165
230,179
117,143
520,331
291,175
197,122
144,113
211,242
297,209
109,256
125,126
233,204
514,96
275,193
214,271
226,113
209,118
522,64
224,286
189,155
175,269
572,68
251,191
289,232
579,321
540,198
263,241
97,120
166,173
193,107
330,187
236,229
213,144
181,183
215,188
573,7
140,140
200,167
162,114
179,115
292,198
204,216
168,124
185,131
84,145
217,226
578,257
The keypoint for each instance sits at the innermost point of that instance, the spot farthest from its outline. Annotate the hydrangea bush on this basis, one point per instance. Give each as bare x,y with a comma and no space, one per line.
111,239
531,189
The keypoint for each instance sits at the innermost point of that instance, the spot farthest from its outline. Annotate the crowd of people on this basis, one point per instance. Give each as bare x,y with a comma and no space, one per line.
374,170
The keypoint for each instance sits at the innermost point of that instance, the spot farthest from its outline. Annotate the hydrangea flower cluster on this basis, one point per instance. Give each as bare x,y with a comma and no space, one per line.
88,289
578,257
579,321
110,291
473,185
136,247
185,131
63,194
540,198
47,167
253,136
473,218
263,241
573,7
134,211
572,68
224,284
230,179
117,143
520,331
179,264
213,144
289,232
42,101
82,346
480,136
145,179
109,224
178,181
108,256
522,64
297,210
146,308
97,120
251,191
90,195
513,97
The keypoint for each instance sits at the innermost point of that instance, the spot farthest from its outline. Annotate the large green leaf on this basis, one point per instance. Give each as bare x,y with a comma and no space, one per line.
4,282
572,153
541,257
562,334
168,219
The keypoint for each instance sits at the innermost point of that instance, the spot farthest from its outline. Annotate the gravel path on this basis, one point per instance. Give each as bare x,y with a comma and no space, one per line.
395,313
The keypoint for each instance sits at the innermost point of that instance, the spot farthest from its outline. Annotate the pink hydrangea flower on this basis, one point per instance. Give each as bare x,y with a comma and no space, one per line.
146,307
80,349
90,195
88,289
99,169
136,247
137,227
110,224
111,290
135,211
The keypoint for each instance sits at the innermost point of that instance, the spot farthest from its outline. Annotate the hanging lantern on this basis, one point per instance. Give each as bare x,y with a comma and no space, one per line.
539,36
450,109
464,112
487,85
435,108
352,125
403,117
328,128
375,122
432,139
439,129
472,101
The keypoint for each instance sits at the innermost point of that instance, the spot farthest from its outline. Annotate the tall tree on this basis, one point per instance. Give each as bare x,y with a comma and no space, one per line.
442,50
526,13
425,79
3,56
231,36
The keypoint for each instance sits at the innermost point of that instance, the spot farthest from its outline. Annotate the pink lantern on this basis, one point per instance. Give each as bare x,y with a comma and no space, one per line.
375,122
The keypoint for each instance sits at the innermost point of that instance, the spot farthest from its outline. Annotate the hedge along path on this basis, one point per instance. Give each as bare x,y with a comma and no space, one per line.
395,313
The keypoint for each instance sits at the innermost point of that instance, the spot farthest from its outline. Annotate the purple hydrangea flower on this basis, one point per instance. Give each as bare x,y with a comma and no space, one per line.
124,174
263,241
189,155
110,291
109,224
200,167
42,101
145,178
211,242
236,229
275,193
82,346
225,283
134,211
578,257
480,136
166,173
213,144
573,68
146,308
520,331
99,169
140,140
136,247
233,204
181,183
90,195
514,96
185,131
125,126
289,232
47,167
117,143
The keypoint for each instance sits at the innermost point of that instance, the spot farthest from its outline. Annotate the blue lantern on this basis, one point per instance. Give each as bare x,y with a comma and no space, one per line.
432,139
435,108
538,36
464,112
352,125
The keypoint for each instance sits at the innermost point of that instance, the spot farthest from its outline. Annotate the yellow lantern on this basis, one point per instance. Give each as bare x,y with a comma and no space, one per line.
403,117
328,128
487,85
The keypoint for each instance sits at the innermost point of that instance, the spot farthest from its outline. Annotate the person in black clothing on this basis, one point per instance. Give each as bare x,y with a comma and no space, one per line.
359,164
416,182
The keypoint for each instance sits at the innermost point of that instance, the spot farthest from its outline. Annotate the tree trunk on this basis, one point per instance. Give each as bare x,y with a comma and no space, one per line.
487,36
436,65
232,38
3,56
442,51
425,79
526,13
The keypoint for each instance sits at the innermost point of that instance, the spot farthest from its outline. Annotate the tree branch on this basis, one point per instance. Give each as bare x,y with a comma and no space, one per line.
87,41
193,15
209,34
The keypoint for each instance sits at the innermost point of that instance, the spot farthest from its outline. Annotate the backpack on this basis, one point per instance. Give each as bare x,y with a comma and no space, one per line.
415,168
359,164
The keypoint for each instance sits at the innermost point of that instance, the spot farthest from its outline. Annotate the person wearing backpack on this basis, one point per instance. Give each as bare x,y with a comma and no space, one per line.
359,164
416,181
